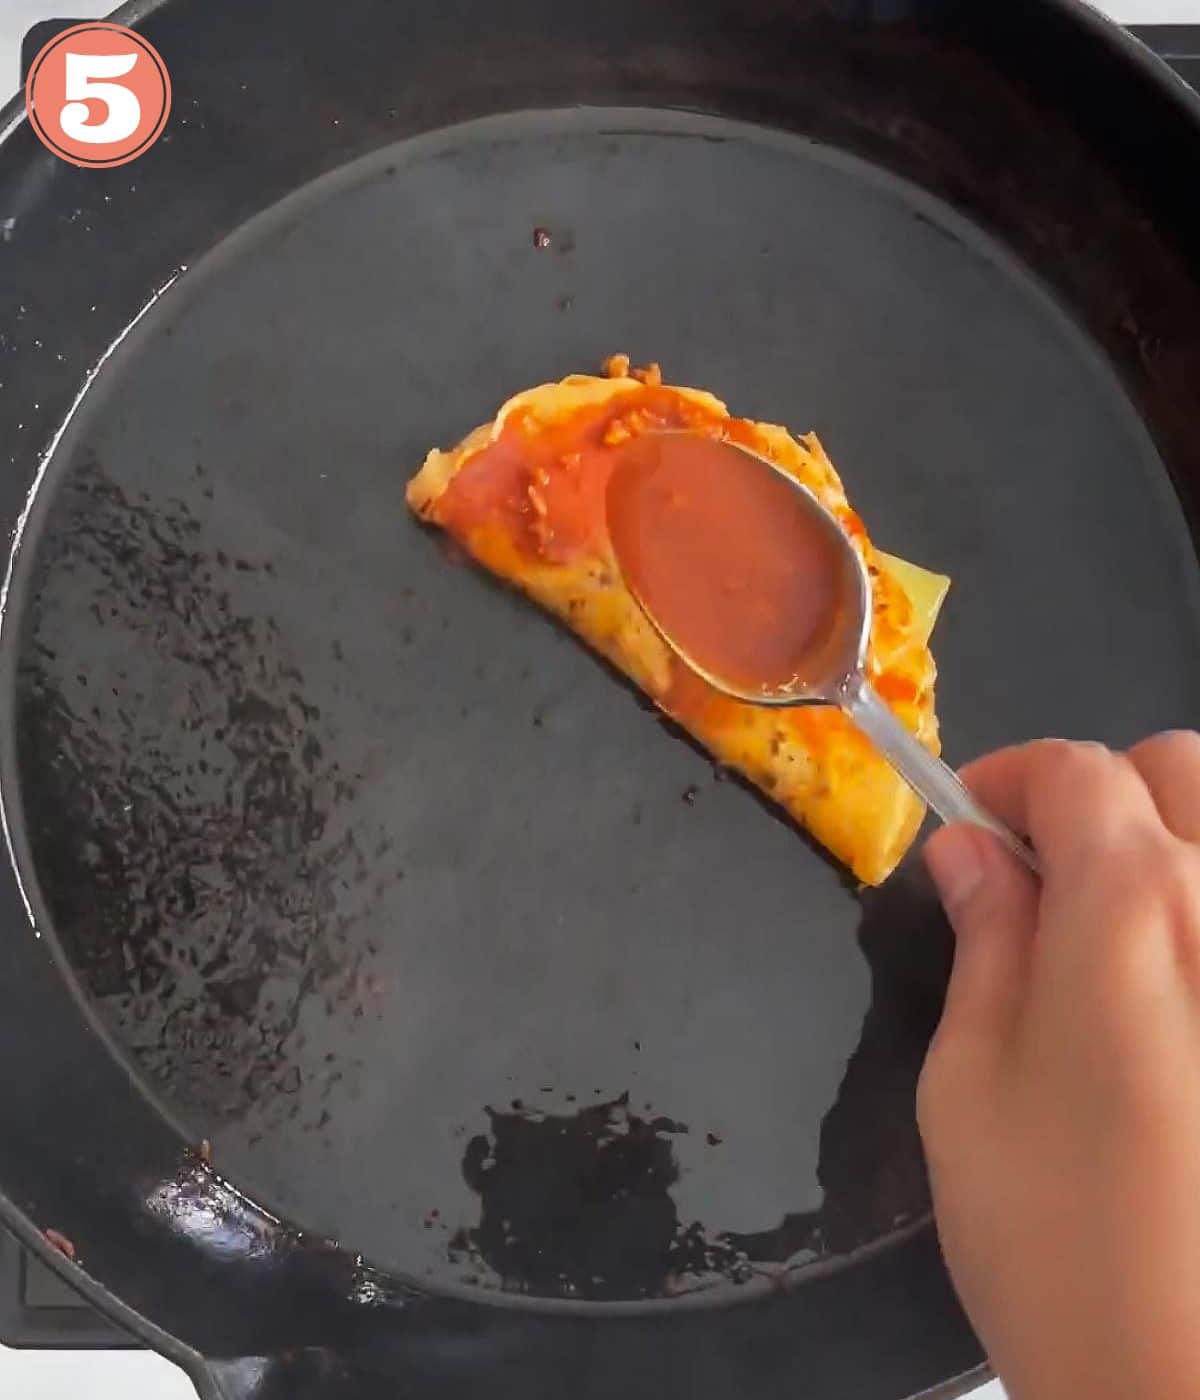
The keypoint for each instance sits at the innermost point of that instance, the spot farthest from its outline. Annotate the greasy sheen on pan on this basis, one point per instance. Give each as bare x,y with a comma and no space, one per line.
524,495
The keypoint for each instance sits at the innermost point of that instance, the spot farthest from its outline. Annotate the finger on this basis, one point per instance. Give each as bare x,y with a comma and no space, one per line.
1070,799
1170,767
992,903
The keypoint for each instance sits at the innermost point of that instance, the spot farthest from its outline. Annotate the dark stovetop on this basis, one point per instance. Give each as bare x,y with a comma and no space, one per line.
36,1309
1179,44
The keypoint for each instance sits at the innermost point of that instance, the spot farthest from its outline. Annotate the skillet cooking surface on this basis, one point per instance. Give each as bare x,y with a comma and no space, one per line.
455,952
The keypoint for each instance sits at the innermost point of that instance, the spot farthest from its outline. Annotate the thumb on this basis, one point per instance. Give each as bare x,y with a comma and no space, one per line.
992,905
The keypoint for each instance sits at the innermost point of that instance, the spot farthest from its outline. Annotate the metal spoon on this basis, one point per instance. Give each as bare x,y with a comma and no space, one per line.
833,672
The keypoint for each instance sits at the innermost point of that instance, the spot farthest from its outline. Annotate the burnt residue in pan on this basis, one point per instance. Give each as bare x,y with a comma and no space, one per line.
581,1205
187,839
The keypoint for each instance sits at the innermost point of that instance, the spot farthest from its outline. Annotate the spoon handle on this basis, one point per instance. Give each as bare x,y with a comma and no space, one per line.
928,776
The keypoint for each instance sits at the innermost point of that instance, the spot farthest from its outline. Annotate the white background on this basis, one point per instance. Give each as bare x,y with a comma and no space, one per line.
34,1375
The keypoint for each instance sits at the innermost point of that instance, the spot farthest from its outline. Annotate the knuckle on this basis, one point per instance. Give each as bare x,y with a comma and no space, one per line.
1147,901
1128,867
1073,799
1066,762
1120,846
1172,745
1155,866
1181,877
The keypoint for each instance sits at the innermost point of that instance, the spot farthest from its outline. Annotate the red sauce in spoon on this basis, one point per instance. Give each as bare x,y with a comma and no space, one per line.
726,558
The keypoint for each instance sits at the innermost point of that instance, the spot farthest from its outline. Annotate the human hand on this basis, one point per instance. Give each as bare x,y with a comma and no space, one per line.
1060,1101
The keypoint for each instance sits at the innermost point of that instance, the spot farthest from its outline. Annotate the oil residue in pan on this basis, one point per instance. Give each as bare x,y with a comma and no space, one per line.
188,844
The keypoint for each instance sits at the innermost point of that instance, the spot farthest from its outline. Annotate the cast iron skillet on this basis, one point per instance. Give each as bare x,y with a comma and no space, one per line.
570,1066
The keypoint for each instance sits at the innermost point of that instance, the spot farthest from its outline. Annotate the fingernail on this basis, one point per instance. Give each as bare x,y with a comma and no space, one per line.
955,864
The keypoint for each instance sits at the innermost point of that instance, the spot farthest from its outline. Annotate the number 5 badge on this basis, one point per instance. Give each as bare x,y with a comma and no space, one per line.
98,94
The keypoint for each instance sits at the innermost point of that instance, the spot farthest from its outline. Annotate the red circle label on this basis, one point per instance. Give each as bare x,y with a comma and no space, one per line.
98,94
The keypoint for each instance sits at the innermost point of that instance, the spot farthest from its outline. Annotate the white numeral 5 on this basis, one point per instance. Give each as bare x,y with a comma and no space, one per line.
124,111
